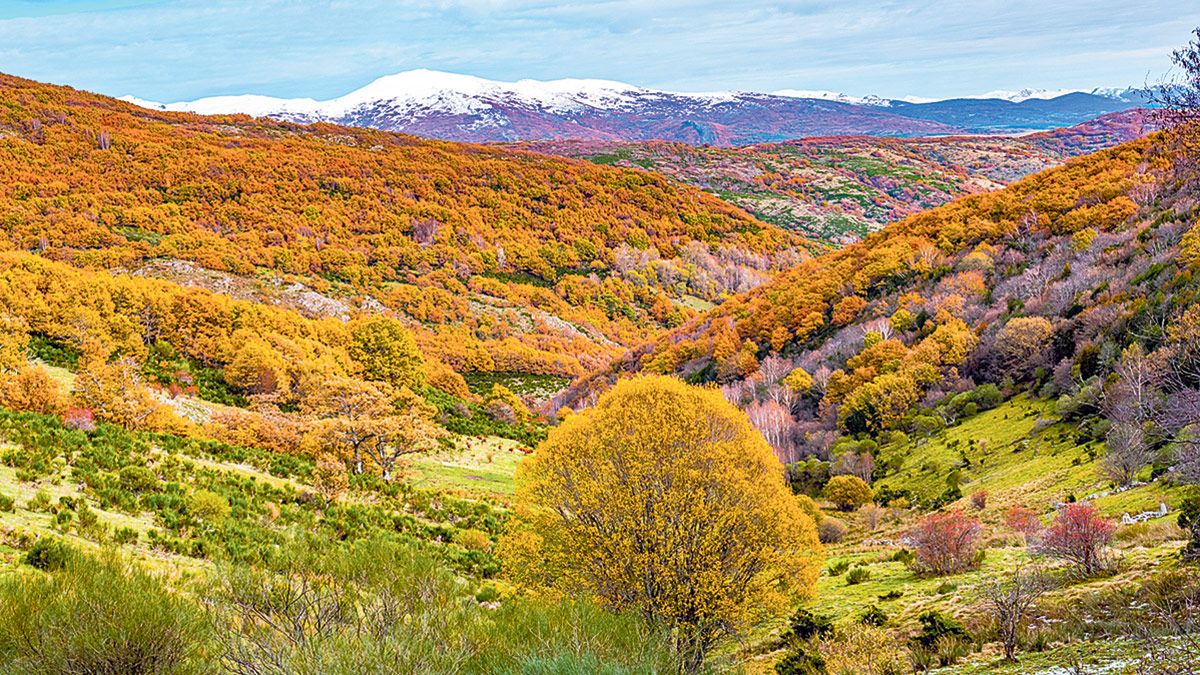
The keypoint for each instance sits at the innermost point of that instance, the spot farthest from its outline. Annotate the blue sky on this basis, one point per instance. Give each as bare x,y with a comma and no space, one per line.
170,50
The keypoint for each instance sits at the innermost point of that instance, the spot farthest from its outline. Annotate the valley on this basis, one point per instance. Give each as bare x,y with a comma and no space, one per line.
455,375
839,189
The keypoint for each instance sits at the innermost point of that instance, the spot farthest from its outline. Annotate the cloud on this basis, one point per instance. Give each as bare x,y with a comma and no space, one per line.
181,49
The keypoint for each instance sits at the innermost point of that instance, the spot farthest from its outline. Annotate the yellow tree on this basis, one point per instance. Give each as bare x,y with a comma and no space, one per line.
348,413
408,429
115,393
662,499
14,338
258,369
387,353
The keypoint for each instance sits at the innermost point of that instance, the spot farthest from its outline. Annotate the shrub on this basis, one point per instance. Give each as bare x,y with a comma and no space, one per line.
1189,521
873,616
942,640
831,530
857,576
945,542
208,507
979,499
871,514
804,625
96,617
49,554
79,419
474,540
39,502
865,649
1023,520
330,478
838,568
1080,536
138,479
125,535
7,504
848,492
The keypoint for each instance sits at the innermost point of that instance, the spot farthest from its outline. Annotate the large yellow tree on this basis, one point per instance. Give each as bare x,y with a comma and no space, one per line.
662,499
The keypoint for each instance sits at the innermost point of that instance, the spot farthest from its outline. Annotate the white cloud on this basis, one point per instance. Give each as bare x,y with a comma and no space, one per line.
183,49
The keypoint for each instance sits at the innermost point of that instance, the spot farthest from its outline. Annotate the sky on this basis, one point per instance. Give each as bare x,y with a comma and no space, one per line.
173,50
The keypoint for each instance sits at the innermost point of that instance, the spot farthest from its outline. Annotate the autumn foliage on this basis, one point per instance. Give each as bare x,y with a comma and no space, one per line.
664,500
945,542
1079,535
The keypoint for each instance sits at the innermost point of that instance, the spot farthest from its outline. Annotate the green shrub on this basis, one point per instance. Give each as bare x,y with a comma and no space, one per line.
857,576
942,640
7,504
838,568
92,616
125,535
207,506
49,554
39,502
873,616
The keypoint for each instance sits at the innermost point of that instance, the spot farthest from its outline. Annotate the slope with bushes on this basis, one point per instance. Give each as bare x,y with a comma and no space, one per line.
839,189
504,256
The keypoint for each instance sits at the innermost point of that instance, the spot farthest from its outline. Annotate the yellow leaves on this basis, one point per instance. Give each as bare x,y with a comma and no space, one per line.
502,395
847,309
387,352
848,492
1082,240
662,498
1189,246
14,337
258,369
31,389
114,392
799,381
878,404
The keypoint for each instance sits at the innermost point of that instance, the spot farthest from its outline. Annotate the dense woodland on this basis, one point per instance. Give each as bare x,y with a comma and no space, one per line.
244,428
478,247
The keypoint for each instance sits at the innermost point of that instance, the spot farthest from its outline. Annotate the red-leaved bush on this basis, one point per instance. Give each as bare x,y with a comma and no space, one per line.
1079,535
1023,520
79,419
945,542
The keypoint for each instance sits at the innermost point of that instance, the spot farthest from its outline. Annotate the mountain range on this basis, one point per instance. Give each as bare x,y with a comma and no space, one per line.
465,108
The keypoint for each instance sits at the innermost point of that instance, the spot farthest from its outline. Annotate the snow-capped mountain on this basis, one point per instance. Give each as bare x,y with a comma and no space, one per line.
466,108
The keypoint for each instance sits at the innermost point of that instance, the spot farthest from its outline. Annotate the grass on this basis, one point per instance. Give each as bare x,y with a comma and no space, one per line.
474,467
539,387
1000,451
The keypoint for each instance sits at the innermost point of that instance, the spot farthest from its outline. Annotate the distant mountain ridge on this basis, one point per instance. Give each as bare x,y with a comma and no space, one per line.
465,108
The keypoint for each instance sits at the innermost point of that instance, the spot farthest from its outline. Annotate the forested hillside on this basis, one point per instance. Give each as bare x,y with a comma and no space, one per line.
1061,271
838,189
502,260
1000,397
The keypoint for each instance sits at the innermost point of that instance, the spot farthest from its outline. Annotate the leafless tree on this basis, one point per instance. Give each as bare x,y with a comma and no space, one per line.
1169,632
1179,100
1010,600
1127,453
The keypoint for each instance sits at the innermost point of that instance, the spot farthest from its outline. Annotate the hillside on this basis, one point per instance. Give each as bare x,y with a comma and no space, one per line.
500,260
986,363
839,189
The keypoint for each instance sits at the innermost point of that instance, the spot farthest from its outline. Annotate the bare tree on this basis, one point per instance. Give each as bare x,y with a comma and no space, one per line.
1169,632
1179,101
1010,600
1127,453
